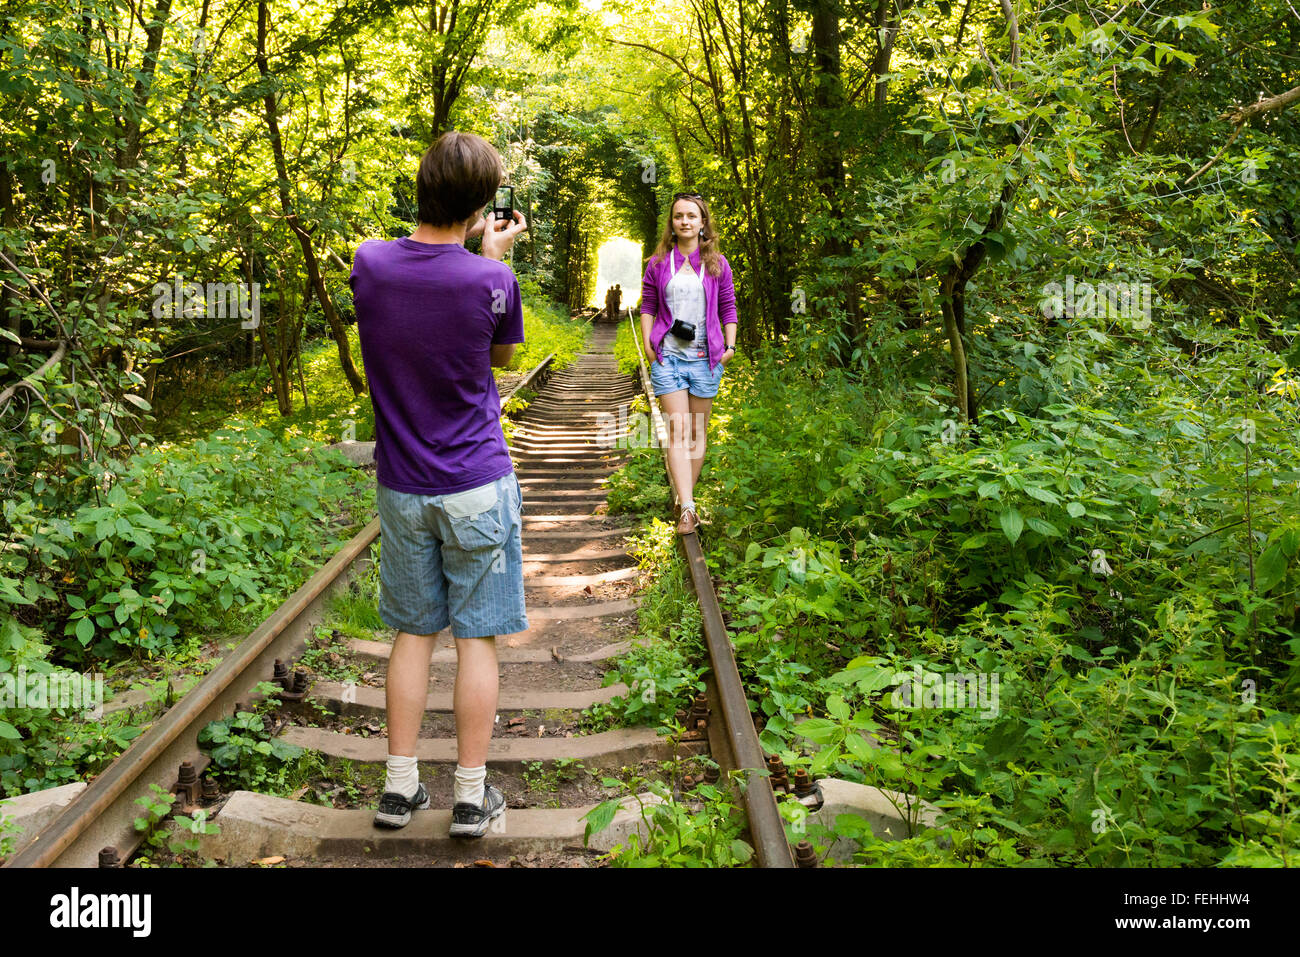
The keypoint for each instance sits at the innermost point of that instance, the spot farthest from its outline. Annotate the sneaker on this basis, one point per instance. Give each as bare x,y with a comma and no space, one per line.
470,821
395,810
688,522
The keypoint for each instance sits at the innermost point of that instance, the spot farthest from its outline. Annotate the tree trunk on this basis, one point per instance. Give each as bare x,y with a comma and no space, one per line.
885,49
828,101
961,372
8,217
337,329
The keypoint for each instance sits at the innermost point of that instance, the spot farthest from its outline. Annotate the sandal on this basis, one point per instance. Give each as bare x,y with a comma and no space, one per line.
688,522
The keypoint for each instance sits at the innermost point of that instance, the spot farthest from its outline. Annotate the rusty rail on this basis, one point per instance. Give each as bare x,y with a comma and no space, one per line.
541,371
765,823
102,816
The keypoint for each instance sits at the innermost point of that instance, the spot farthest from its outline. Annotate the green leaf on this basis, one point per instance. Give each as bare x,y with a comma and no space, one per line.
85,631
124,736
857,745
1012,524
284,750
820,730
599,818
1075,509
1042,494
7,730
1271,568
1044,527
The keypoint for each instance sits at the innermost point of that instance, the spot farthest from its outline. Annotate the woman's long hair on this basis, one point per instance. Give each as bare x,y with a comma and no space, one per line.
708,237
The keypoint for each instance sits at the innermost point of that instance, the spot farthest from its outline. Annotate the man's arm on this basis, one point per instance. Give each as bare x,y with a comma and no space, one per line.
502,353
647,323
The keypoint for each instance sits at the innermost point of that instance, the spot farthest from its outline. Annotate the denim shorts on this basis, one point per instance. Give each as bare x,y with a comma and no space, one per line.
673,373
453,559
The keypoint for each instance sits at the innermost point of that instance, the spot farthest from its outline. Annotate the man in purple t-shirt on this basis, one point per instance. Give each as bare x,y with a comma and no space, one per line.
434,319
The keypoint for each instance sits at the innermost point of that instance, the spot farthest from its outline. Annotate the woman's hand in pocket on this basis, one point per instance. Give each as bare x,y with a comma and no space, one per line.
727,355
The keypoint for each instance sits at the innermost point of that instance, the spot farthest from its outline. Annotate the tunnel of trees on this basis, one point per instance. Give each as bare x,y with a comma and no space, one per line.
1016,285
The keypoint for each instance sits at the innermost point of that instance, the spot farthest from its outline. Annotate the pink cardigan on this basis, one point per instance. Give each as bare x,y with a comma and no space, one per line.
719,302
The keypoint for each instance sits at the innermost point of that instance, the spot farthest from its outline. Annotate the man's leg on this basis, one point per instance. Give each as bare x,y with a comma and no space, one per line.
413,600
407,690
483,558
475,699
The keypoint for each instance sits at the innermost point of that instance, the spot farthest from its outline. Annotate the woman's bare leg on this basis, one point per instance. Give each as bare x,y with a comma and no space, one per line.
677,411
698,436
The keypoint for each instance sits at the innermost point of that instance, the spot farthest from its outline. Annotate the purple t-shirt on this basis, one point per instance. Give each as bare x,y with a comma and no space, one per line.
428,314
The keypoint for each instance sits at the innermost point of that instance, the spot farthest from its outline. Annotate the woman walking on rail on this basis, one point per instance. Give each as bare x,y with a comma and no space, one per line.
688,322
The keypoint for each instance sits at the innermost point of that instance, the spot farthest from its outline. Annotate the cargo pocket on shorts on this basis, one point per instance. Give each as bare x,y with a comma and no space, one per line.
472,518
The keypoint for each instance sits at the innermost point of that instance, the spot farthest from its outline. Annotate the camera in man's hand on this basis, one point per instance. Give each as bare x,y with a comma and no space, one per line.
503,206
683,330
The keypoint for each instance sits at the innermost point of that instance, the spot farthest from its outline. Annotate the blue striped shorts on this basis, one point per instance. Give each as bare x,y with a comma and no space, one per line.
453,559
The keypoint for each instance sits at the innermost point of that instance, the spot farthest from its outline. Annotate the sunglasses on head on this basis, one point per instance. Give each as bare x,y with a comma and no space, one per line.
677,196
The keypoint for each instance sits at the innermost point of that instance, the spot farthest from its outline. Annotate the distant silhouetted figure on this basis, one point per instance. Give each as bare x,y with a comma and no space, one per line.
618,299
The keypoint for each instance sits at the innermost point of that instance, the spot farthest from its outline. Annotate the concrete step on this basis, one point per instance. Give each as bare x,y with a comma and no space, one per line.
254,827
380,650
617,575
363,698
608,749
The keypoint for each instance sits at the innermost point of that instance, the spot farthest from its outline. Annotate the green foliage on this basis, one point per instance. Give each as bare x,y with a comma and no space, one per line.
699,830
1116,607
542,776
548,328
640,486
1112,531
245,754
228,521
8,835
664,668
180,841
58,746
626,349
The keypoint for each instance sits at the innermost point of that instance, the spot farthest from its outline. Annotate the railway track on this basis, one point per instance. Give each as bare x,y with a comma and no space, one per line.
580,591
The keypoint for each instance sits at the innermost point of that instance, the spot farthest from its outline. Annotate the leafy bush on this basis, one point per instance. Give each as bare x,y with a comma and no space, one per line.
1120,554
235,519
245,754
664,668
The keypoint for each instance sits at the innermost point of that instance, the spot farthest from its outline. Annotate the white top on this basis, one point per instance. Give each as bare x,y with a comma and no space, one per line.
686,302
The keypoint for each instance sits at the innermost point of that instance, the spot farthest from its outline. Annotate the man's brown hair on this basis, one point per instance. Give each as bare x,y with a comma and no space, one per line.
458,174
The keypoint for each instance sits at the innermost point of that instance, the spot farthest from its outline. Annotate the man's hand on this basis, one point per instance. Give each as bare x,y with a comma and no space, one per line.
501,236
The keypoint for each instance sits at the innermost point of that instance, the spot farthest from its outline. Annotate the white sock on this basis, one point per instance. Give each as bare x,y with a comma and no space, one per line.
403,777
688,503
469,785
